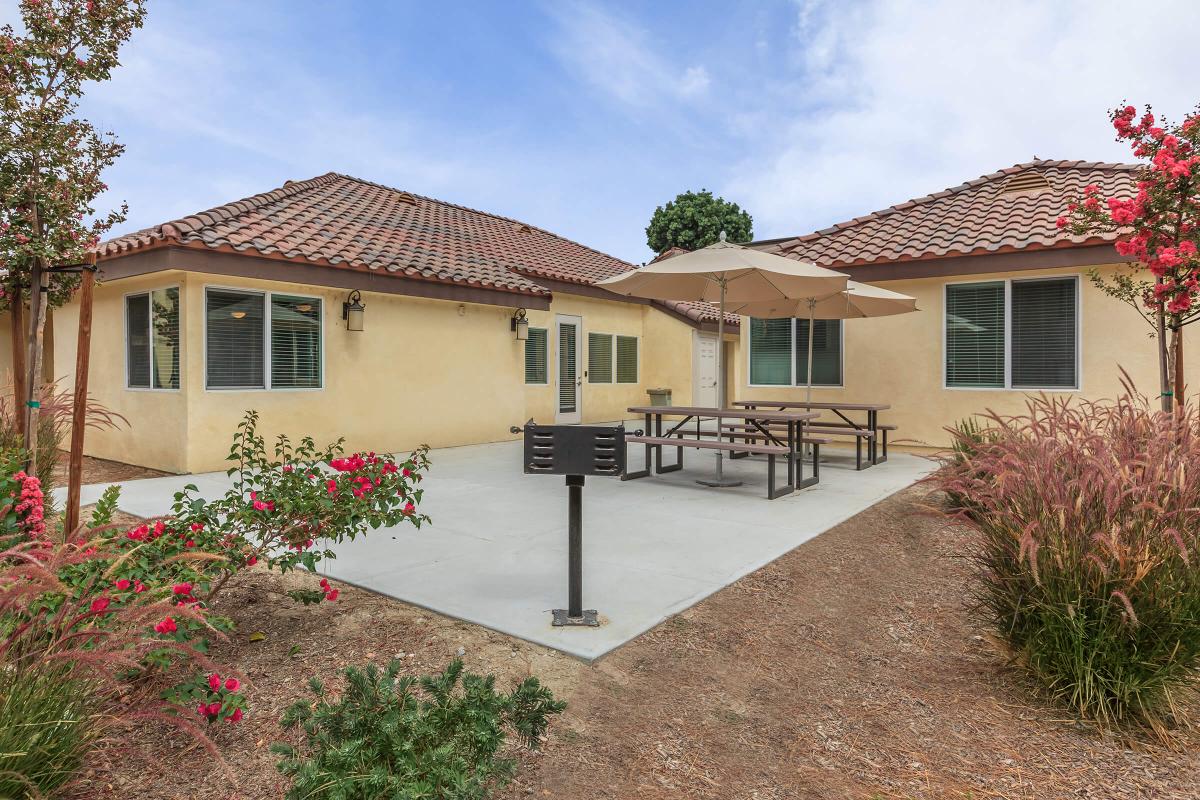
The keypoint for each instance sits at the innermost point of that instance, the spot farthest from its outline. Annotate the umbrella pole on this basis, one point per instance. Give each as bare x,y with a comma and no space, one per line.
720,480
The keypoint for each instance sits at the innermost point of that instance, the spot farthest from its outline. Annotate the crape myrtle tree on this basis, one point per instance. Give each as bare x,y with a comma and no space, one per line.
694,220
51,160
1159,227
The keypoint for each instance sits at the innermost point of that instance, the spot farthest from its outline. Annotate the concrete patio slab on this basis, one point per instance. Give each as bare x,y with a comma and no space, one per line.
496,553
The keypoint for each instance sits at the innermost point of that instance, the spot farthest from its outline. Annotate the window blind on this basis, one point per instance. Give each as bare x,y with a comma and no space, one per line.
535,356
600,358
137,340
235,340
627,359
567,368
164,306
771,352
827,352
1043,334
975,335
295,342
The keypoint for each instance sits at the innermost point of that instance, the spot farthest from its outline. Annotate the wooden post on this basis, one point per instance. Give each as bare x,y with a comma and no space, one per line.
16,316
79,406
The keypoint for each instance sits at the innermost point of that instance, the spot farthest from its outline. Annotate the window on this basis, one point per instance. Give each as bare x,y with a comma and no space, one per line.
779,352
627,359
600,358
975,335
246,331
1021,334
295,342
536,357
152,339
826,351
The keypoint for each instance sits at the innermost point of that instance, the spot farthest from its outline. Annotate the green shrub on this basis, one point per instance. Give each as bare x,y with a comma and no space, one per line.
47,725
382,739
1088,560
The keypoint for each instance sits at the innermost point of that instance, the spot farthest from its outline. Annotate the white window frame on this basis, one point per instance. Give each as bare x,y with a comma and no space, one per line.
1008,387
637,344
524,369
266,295
796,382
125,330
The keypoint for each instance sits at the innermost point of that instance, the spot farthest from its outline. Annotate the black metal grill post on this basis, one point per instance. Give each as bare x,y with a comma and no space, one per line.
575,614
574,451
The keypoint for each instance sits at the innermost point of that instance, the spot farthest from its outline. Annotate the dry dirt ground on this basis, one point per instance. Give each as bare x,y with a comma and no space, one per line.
846,669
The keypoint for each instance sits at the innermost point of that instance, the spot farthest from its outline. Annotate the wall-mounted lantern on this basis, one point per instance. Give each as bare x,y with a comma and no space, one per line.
352,311
519,325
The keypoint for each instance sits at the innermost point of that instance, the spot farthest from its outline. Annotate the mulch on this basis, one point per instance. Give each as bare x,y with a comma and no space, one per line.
848,668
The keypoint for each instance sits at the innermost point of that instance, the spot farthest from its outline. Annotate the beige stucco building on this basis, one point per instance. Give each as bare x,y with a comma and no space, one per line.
241,307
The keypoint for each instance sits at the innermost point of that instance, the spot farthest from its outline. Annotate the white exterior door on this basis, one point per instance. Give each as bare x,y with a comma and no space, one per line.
704,370
569,403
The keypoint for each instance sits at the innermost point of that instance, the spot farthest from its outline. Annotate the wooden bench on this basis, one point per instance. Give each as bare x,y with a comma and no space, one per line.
749,432
678,442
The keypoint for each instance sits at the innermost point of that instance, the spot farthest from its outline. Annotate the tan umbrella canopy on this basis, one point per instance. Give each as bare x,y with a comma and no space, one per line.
731,276
859,300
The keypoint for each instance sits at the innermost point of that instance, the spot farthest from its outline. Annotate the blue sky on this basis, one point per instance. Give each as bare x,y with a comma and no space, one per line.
582,117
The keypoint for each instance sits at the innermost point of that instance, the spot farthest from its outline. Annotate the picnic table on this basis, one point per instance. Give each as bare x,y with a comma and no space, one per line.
870,430
781,433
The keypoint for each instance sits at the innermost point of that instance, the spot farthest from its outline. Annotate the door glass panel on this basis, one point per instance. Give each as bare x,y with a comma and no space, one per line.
567,391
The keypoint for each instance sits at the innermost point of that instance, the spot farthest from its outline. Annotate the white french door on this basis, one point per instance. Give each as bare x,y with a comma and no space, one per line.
569,407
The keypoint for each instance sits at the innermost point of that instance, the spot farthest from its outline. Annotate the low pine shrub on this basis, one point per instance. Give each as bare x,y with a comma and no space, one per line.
384,738
1088,560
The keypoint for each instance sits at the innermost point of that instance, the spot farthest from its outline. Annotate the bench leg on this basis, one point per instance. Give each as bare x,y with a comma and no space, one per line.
773,492
641,473
858,459
801,481
658,460
883,458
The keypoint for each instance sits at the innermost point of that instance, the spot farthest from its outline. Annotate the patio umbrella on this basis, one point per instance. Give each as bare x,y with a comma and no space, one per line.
859,300
731,276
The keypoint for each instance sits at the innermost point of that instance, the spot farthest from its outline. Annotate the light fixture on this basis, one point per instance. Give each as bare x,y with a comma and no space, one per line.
237,314
304,308
352,311
519,325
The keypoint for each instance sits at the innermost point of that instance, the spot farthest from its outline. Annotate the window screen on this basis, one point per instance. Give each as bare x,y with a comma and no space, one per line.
771,352
152,339
536,356
234,345
975,335
295,342
827,352
1043,334
137,340
600,358
165,337
627,359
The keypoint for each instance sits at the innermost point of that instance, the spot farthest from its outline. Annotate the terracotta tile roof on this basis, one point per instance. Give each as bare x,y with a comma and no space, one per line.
344,222
699,312
1010,210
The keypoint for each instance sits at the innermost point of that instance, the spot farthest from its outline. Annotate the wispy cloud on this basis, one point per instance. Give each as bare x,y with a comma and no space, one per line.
621,59
906,98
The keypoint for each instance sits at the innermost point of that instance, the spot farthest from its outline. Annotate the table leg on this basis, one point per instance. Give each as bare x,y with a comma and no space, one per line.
873,426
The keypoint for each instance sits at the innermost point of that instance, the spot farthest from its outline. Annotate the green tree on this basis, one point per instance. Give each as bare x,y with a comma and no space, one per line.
694,220
51,160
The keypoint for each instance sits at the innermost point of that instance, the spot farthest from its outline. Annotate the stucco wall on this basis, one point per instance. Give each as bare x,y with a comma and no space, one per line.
422,371
898,360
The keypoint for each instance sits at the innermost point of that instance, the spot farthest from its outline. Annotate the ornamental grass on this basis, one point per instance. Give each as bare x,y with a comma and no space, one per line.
1087,564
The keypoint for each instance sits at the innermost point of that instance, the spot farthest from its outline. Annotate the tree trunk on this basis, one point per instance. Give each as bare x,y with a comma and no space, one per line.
1164,365
16,316
1177,347
38,298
